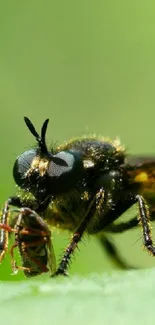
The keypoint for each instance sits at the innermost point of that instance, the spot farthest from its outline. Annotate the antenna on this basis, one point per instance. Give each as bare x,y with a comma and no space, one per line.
40,139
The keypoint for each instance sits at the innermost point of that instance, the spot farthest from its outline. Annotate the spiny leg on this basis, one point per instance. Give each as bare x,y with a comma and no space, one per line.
95,204
144,220
145,223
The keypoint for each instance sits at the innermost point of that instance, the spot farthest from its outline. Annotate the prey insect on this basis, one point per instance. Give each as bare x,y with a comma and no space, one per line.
84,186
32,237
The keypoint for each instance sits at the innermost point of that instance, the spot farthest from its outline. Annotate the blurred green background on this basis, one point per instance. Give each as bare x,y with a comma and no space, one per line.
88,66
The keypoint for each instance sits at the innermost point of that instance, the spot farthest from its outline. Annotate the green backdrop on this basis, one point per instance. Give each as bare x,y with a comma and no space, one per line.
88,66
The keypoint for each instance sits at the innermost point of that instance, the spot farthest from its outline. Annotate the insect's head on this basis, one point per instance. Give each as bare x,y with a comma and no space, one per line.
40,172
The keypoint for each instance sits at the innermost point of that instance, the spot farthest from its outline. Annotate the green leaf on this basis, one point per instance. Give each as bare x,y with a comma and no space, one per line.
116,298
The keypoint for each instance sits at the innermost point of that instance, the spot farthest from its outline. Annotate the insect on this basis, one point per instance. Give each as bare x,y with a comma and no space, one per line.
32,238
83,185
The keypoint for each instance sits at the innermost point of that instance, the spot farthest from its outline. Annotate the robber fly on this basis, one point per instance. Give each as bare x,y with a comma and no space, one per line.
83,185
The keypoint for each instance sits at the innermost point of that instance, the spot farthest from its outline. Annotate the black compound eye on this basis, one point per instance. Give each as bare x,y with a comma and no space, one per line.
61,163
64,171
22,165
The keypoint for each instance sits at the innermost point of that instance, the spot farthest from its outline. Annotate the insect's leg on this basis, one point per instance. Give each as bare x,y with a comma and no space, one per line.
14,265
112,252
4,230
4,225
144,219
95,203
